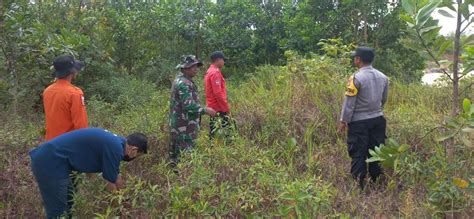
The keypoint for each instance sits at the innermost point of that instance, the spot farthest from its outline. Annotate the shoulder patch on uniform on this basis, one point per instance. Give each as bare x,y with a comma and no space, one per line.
351,89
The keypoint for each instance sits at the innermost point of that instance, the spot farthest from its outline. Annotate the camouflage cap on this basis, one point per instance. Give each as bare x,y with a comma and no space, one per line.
188,61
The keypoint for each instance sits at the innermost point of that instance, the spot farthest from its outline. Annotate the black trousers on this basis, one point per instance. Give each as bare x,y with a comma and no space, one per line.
362,136
220,122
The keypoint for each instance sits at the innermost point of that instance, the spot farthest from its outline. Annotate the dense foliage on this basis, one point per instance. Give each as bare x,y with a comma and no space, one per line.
118,39
283,161
286,76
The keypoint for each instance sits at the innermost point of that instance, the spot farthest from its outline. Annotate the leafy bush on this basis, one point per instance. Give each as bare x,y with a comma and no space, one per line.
123,91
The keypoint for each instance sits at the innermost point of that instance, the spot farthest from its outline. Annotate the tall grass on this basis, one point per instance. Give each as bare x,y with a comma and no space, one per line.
286,158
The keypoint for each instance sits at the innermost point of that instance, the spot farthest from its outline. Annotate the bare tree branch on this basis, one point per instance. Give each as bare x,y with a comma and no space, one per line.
463,75
468,24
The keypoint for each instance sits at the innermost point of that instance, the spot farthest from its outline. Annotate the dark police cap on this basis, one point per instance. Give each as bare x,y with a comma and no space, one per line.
218,55
188,61
65,65
365,53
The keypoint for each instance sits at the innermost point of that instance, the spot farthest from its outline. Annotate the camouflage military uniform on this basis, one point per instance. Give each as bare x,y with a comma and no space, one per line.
185,115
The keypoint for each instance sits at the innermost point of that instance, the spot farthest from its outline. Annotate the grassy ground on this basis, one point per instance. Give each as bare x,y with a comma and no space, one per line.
285,160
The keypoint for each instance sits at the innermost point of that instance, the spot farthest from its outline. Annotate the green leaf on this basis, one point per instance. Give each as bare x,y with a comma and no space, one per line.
445,13
466,103
409,6
425,12
388,163
427,29
469,40
403,148
407,18
377,149
373,153
392,142
448,4
391,150
443,47
446,136
374,159
452,124
395,164
432,34
465,11
471,185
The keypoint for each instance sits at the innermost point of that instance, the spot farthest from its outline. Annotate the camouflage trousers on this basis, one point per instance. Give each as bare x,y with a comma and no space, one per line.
177,146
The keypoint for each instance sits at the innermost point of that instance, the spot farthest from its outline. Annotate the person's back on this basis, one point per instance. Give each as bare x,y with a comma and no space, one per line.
365,96
63,102
88,150
64,109
370,98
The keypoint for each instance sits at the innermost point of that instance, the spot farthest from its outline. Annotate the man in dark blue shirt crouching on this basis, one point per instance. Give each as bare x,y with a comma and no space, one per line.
88,150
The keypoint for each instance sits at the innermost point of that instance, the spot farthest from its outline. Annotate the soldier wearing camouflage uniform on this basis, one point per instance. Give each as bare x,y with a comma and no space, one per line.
185,108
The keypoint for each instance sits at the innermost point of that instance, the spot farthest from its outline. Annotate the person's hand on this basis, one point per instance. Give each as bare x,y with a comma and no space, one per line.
111,187
211,112
120,183
341,127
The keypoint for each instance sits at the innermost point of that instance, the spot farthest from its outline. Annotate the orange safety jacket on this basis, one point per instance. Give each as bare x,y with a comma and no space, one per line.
64,108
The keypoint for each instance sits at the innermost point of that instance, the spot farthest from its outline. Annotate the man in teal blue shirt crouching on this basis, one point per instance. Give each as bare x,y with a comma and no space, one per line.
88,150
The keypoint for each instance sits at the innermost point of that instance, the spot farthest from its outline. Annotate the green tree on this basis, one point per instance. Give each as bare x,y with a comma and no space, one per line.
425,35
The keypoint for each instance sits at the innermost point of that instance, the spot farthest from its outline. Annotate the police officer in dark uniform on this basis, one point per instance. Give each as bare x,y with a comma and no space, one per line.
365,96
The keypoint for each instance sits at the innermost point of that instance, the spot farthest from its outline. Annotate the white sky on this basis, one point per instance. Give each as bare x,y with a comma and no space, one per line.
449,24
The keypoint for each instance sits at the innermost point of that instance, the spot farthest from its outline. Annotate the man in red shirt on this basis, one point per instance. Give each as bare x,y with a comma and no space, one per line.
216,93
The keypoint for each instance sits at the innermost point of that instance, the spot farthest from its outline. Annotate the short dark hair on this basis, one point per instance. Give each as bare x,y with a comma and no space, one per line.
216,55
367,59
65,76
138,140
366,54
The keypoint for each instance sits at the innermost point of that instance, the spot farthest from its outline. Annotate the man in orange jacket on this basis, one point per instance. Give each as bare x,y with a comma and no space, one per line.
216,93
63,102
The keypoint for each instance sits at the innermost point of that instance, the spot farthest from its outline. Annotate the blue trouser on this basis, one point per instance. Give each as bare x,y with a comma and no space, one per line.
55,194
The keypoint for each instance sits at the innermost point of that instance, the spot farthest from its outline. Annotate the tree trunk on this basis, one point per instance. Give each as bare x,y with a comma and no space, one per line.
1,16
457,48
366,34
455,101
198,31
